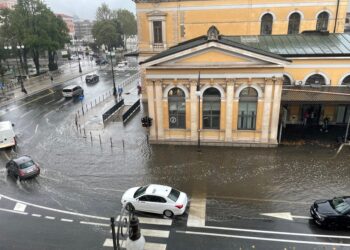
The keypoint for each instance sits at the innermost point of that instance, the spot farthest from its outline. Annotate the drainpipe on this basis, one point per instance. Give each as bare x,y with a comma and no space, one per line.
336,16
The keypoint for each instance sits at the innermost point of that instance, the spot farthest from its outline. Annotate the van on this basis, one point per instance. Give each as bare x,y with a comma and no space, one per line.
7,135
72,90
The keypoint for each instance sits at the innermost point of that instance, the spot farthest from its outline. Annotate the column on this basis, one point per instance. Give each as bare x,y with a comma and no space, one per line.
194,111
265,128
159,109
229,110
151,109
276,111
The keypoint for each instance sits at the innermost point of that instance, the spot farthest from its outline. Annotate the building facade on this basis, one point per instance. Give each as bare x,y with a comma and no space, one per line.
7,4
83,30
237,84
69,22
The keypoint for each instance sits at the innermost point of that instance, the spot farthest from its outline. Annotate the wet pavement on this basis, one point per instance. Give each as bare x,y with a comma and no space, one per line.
87,175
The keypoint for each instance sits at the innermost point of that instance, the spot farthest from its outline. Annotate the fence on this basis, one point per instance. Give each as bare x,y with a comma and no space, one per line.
134,108
112,110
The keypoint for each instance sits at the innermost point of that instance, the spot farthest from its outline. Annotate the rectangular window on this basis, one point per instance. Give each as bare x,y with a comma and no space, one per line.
177,114
211,114
157,32
247,116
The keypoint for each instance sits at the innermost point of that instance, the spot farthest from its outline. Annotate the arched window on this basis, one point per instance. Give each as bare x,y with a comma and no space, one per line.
286,80
322,21
177,108
211,108
294,23
248,100
316,79
346,81
266,24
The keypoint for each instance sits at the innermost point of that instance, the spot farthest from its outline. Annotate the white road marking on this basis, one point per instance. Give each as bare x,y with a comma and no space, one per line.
49,217
36,215
259,200
146,220
155,233
148,245
95,224
49,102
285,216
265,239
277,232
36,128
20,207
66,220
27,113
13,211
55,210
196,216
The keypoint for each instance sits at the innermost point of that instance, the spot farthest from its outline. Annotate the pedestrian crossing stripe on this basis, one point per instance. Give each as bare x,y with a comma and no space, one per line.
20,207
148,245
152,233
146,220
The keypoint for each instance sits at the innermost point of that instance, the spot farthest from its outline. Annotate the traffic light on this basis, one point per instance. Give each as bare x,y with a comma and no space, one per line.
146,122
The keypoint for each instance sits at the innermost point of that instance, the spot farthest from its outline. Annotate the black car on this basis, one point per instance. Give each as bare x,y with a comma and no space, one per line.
23,168
332,213
101,61
92,78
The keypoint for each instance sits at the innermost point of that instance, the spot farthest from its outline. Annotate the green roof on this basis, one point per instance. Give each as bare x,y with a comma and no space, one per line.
275,46
310,45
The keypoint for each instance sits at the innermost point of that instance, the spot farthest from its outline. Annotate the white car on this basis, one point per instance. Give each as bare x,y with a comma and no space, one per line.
156,199
72,90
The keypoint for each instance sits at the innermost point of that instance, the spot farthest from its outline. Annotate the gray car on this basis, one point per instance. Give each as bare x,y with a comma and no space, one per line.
23,168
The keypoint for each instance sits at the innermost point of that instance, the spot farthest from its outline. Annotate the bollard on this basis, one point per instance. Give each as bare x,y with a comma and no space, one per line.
78,113
113,233
84,133
147,138
123,144
111,142
135,240
86,107
100,139
91,137
82,110
79,129
91,105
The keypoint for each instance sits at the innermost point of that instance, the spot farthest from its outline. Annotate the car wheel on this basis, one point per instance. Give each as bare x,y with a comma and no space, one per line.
129,207
168,213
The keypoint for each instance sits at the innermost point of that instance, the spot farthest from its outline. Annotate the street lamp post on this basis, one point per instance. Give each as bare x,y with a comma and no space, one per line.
198,94
20,47
80,71
114,88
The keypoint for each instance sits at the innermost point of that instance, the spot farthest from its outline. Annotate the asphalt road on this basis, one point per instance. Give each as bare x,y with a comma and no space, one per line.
81,183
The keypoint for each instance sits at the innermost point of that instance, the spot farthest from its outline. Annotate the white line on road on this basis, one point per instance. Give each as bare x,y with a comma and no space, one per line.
55,210
265,239
155,233
286,216
94,224
20,207
146,220
49,217
276,232
196,216
66,220
49,102
13,211
36,215
30,111
36,128
148,245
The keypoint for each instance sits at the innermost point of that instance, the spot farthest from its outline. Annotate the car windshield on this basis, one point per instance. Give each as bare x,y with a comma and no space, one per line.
140,191
340,205
67,90
26,164
174,195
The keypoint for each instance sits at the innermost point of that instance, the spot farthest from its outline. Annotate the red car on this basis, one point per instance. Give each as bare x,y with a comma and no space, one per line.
23,168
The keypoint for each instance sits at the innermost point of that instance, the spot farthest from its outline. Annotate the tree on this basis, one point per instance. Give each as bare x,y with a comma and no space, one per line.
127,22
104,13
106,33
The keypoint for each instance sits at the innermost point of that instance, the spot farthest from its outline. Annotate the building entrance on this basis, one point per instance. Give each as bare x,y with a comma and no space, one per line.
311,114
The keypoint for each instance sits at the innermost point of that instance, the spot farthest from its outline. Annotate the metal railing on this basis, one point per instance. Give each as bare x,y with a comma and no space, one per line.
112,110
134,108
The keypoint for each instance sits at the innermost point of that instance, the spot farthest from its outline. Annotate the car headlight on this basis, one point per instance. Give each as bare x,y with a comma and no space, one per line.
320,217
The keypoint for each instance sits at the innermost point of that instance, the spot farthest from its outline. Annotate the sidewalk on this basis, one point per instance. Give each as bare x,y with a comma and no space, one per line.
93,109
39,83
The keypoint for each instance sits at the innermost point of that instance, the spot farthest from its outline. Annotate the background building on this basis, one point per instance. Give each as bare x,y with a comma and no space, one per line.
70,24
83,30
7,4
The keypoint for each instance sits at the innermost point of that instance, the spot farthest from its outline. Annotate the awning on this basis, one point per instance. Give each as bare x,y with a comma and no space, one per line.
322,94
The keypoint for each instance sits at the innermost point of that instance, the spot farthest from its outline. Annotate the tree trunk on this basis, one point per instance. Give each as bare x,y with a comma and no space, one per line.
36,61
25,59
52,63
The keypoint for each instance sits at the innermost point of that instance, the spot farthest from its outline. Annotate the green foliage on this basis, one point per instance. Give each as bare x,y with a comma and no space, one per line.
127,22
35,26
107,33
104,13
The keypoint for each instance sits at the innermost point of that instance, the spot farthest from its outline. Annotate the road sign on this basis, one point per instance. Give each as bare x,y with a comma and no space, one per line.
173,120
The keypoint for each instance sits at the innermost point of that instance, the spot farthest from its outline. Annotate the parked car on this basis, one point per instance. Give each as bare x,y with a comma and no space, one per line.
72,90
23,168
332,213
7,135
101,61
92,78
156,199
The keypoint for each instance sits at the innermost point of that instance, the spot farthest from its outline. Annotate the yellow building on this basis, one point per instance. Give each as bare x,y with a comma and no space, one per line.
228,87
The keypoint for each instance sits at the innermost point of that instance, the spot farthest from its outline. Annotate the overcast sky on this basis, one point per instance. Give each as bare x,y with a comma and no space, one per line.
86,9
